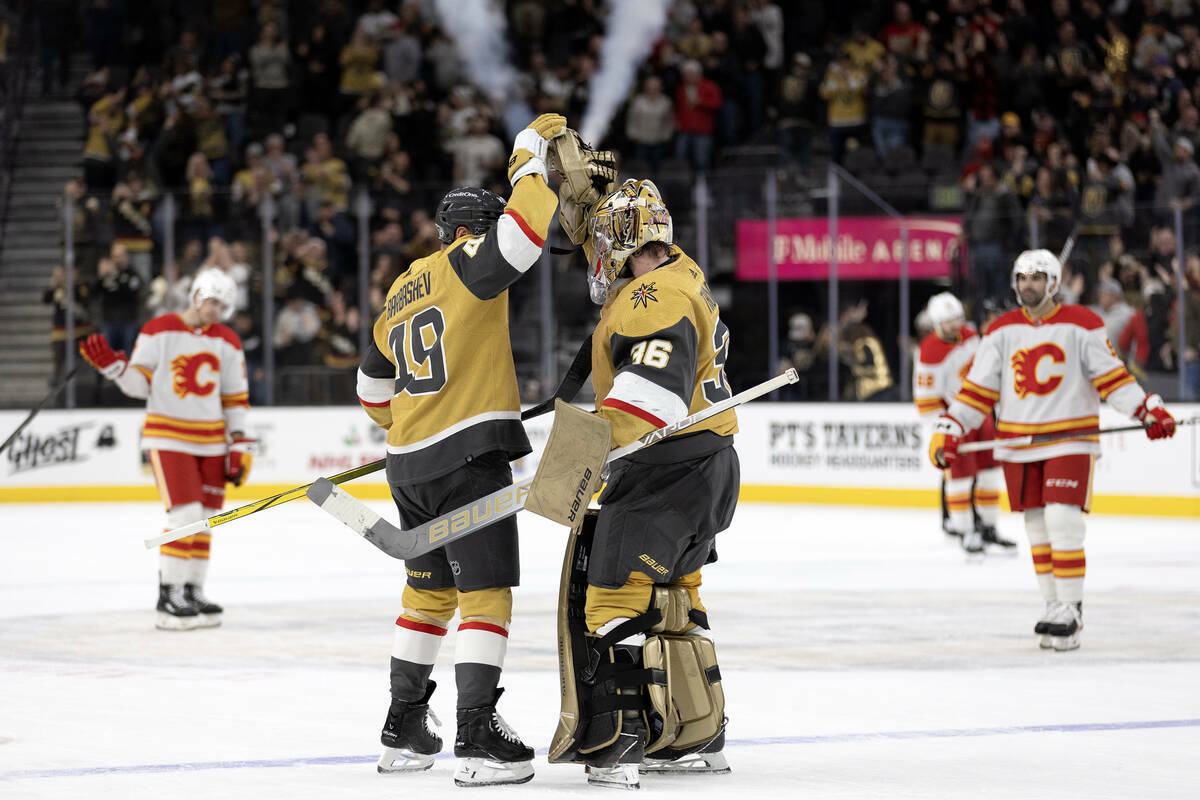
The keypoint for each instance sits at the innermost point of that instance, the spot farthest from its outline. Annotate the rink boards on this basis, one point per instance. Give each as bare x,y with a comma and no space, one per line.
871,454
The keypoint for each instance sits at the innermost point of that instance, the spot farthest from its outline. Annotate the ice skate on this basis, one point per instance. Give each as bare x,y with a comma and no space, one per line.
208,612
992,537
972,543
617,776
175,611
489,752
410,744
1065,625
707,760
1042,628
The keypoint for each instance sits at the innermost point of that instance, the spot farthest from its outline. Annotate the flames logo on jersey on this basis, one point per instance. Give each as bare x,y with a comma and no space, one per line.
965,369
643,295
1025,369
185,373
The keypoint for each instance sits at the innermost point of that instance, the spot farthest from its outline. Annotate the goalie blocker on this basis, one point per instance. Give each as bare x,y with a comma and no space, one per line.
673,685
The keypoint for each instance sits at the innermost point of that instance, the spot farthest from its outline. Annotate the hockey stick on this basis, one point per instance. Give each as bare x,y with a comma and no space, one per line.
290,494
498,505
1064,436
34,411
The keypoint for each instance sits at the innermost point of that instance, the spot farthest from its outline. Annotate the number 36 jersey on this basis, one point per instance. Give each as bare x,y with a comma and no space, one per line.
658,353
439,373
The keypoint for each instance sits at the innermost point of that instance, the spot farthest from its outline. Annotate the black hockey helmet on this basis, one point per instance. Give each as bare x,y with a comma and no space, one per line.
477,209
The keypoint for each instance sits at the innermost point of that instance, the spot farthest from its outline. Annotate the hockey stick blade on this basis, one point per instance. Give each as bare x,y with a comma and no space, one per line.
259,505
1065,436
498,505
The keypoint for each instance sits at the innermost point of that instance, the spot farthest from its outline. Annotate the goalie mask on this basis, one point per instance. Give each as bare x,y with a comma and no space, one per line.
619,225
217,285
1031,262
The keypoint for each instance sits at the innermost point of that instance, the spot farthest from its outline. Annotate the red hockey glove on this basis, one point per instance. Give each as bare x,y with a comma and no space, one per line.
943,445
96,350
1158,421
239,458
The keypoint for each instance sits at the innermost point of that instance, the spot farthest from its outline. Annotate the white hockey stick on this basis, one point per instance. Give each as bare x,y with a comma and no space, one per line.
505,502
1064,436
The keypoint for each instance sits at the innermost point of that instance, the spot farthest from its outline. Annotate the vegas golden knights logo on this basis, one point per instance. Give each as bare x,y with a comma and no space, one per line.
1026,363
185,373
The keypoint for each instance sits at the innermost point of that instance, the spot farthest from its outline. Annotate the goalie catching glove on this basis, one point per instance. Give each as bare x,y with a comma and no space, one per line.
96,350
943,445
529,147
239,458
587,175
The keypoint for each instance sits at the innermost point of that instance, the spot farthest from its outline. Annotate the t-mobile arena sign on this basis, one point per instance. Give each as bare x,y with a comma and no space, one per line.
867,248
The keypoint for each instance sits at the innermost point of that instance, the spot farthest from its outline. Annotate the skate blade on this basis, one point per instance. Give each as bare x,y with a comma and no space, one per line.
395,760
696,764
485,772
621,776
1046,641
208,620
169,622
1062,644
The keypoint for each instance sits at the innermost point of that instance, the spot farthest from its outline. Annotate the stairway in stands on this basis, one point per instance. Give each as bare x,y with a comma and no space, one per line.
48,150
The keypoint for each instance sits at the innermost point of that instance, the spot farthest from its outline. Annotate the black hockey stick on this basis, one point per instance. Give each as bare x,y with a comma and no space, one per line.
1057,436
577,373
299,491
453,525
34,411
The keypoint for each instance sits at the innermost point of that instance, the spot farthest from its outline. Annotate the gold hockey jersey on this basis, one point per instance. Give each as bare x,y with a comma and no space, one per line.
658,353
439,373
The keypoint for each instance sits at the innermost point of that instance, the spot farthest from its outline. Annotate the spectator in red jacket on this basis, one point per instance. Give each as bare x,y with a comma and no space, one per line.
697,101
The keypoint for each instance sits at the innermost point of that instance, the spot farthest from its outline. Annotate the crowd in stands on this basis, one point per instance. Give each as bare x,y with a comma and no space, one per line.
1046,117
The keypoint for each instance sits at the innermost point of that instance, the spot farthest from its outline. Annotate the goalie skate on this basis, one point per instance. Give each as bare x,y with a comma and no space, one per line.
618,776
708,760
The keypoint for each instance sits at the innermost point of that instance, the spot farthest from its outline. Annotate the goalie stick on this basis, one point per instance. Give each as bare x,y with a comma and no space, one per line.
291,494
1064,436
505,502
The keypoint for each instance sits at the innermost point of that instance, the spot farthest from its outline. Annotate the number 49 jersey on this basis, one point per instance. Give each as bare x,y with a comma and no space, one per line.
439,373
1042,376
658,353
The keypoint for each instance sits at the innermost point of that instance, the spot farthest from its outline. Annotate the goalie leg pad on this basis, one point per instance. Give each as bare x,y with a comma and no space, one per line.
686,700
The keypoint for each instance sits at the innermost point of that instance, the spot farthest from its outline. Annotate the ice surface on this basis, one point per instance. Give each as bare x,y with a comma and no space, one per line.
863,656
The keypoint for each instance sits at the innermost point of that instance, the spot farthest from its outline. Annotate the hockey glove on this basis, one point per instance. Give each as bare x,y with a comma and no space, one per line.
1158,421
96,350
943,445
239,458
529,148
587,174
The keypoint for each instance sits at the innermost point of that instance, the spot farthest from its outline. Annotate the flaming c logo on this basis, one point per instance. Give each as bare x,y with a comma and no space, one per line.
965,369
186,372
1025,369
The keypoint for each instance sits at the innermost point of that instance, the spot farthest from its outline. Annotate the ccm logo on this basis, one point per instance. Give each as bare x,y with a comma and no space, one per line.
1062,483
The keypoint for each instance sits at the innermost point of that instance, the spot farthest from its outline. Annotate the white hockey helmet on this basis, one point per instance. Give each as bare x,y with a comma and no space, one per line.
1032,262
218,285
944,307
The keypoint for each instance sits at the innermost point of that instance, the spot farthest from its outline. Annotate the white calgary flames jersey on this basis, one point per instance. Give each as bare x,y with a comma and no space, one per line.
940,369
1042,376
194,380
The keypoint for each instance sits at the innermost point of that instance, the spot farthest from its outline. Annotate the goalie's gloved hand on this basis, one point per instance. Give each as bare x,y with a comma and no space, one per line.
529,148
943,445
96,350
587,174
239,457
1154,415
